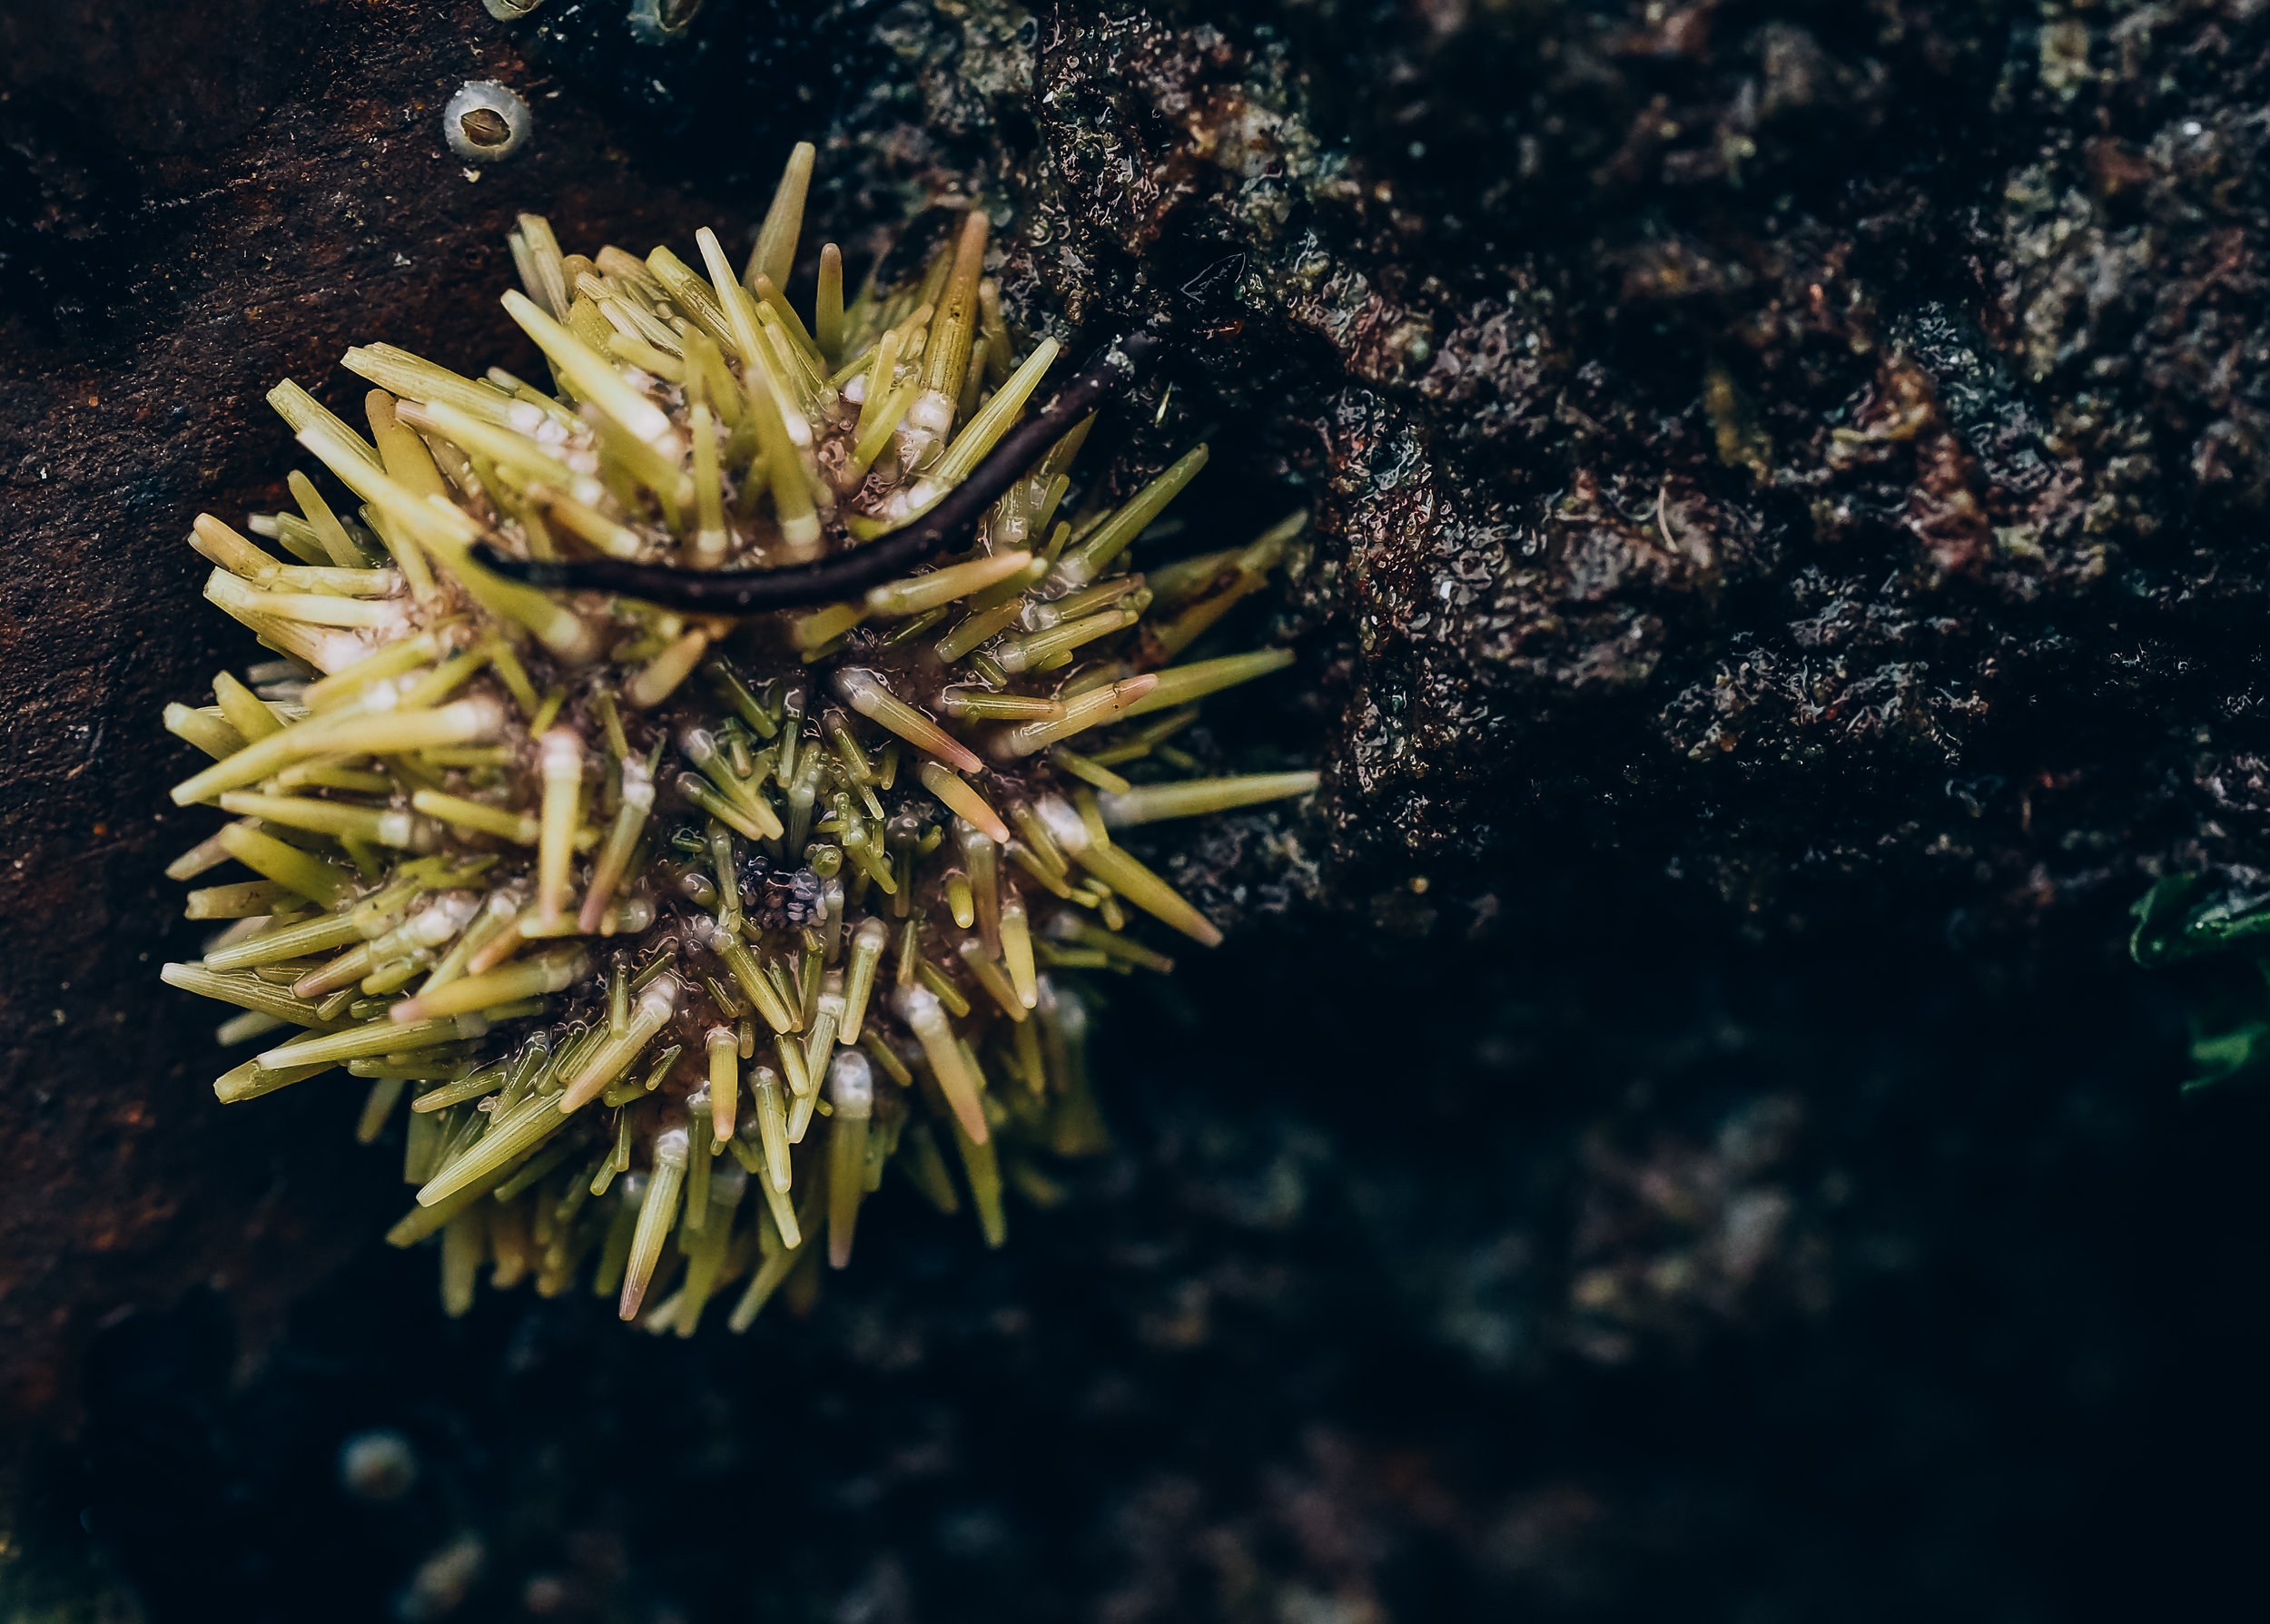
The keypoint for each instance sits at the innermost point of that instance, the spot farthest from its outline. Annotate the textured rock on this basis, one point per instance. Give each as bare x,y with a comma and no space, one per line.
1803,454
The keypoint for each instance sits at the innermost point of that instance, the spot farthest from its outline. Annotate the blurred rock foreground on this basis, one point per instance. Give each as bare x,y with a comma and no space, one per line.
1672,1128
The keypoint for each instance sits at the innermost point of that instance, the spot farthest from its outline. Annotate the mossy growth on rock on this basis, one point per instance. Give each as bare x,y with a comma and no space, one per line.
659,938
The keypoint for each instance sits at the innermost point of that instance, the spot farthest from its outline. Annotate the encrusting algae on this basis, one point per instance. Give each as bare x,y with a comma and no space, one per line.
667,934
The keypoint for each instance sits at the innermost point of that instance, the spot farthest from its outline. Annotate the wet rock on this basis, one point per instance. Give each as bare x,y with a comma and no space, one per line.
1799,463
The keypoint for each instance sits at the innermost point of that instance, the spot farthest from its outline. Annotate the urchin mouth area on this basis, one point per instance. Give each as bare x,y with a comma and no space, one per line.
677,929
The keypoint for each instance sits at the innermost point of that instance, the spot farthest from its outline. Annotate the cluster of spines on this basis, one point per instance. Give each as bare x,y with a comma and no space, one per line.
504,849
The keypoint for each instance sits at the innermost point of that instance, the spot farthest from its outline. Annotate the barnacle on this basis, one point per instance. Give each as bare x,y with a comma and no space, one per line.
663,936
485,122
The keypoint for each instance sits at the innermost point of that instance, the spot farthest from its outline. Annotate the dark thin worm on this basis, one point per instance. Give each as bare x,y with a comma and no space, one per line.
851,574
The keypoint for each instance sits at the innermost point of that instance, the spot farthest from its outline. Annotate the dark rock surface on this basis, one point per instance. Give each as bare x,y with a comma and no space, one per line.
1787,569
160,273
1563,1303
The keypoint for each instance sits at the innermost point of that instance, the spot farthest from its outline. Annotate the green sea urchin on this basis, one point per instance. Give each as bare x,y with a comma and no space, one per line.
647,912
